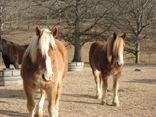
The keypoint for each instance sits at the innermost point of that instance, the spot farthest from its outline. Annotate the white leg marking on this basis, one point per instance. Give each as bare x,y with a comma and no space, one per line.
104,97
115,94
98,84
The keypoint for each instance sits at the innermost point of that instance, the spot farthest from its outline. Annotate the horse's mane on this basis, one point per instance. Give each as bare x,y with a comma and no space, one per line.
45,40
117,46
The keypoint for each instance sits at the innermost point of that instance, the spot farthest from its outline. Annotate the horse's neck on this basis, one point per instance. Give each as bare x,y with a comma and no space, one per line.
105,61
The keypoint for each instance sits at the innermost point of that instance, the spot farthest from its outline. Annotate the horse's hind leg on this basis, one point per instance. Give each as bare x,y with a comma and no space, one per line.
104,86
39,112
115,90
30,99
98,84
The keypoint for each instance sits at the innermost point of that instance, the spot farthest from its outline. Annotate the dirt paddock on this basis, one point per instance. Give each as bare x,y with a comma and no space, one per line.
137,95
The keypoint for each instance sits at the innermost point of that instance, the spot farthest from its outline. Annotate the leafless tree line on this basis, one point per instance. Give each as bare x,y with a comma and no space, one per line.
82,21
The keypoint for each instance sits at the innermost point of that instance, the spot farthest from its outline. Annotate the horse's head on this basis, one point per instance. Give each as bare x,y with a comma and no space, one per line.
3,45
45,51
115,49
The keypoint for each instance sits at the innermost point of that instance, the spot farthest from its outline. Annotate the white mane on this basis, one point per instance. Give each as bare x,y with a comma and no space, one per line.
44,41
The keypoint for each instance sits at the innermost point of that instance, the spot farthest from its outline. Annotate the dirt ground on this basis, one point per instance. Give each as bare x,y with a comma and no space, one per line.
137,95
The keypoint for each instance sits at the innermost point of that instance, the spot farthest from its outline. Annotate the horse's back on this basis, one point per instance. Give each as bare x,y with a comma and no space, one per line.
95,52
95,45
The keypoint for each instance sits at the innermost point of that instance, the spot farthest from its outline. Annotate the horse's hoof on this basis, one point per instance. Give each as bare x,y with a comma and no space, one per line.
116,105
97,97
37,115
103,103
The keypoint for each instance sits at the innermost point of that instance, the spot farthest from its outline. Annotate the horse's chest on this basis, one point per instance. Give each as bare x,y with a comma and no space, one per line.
111,72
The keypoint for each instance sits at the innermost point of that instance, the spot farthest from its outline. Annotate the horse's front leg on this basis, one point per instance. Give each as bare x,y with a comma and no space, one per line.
58,95
115,90
7,64
39,112
16,65
30,99
104,86
51,96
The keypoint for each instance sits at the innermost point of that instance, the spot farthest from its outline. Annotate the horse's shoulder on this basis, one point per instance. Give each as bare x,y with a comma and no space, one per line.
59,44
61,47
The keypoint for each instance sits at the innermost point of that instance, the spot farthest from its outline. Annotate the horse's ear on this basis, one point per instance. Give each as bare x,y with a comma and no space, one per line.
124,36
115,35
38,31
54,32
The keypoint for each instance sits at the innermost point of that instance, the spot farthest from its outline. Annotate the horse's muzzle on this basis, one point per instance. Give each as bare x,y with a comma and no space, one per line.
47,78
119,64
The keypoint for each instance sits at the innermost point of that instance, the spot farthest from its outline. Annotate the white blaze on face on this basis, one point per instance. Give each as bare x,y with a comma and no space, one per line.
120,58
49,75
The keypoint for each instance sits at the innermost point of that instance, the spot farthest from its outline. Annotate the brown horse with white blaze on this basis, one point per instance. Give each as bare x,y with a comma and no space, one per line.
106,59
44,66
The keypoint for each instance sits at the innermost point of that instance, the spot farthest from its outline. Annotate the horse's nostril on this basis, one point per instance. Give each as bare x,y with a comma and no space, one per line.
43,77
117,63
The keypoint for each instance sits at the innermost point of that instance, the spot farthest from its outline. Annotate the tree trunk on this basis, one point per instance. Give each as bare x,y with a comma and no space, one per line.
77,50
77,46
137,52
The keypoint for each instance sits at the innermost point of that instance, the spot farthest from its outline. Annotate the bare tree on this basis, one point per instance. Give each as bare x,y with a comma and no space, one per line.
135,18
84,21
80,21
9,13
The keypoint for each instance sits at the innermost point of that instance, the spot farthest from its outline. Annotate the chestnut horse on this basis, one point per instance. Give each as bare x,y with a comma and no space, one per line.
12,53
44,66
106,59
